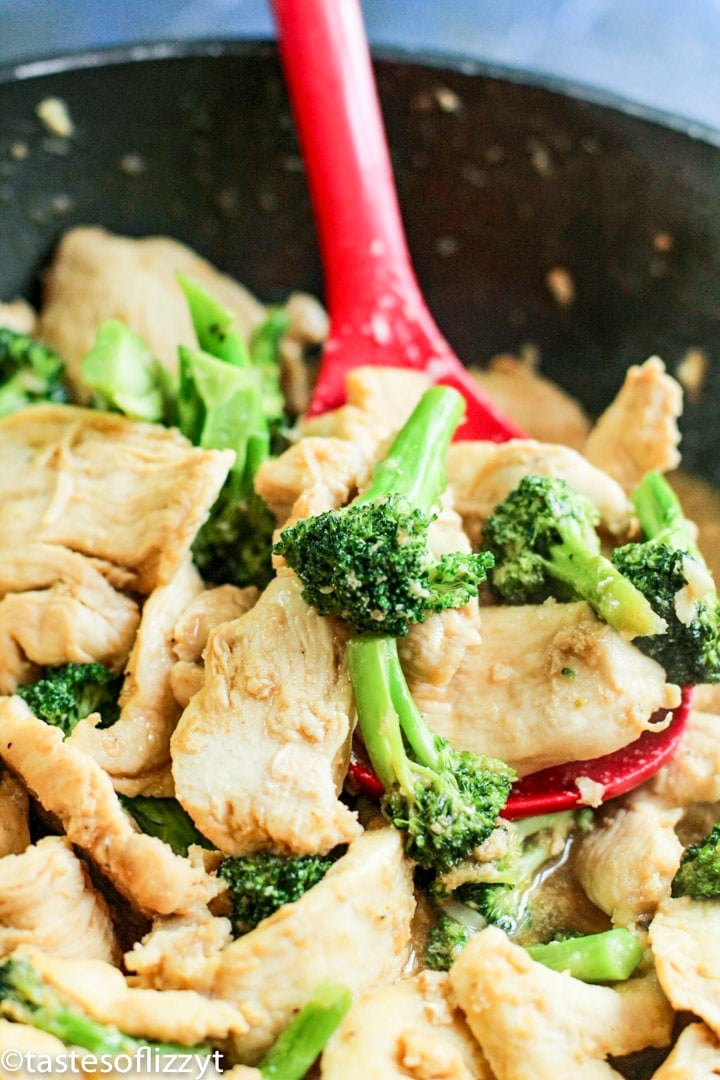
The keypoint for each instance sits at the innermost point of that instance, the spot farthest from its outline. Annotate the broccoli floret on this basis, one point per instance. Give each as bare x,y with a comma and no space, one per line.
126,377
671,573
445,942
611,956
226,401
698,875
261,883
292,1054
68,693
446,801
29,372
166,819
27,999
505,899
544,542
369,563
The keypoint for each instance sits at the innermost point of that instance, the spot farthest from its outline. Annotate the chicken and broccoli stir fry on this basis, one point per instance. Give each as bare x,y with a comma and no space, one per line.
267,681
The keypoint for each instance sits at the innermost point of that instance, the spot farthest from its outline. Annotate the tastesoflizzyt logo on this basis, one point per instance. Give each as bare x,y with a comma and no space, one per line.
144,1062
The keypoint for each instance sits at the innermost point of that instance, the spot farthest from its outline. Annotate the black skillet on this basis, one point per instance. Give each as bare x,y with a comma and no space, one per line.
500,181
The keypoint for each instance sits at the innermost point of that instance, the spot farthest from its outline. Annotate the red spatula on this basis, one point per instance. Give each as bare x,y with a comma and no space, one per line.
377,312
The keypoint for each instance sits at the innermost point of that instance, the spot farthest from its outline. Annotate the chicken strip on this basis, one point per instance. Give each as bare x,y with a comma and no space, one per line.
538,406
353,927
100,991
482,474
96,275
338,449
190,633
638,431
131,494
548,683
695,1056
260,753
627,862
58,607
180,951
536,1024
692,774
47,900
17,315
685,940
73,787
412,1029
14,810
139,742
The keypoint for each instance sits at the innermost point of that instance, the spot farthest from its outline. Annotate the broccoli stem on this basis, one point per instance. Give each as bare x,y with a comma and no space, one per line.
611,956
661,515
380,705
297,1047
215,325
592,577
415,463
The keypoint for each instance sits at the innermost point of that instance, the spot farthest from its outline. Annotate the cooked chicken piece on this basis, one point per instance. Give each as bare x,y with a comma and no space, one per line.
57,607
695,1056
638,431
335,466
353,927
14,809
685,939
261,752
210,608
482,474
100,991
47,900
536,1024
693,772
627,862
17,315
96,275
308,327
547,684
706,698
434,649
138,743
411,1029
131,494
73,787
179,951
338,449
539,407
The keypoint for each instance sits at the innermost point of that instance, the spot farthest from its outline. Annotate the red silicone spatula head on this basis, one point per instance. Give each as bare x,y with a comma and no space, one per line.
377,312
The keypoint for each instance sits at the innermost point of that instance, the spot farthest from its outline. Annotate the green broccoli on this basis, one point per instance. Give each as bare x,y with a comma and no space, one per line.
544,542
68,693
226,401
610,956
29,372
261,883
670,572
296,1048
126,377
698,875
369,562
27,999
504,898
445,942
166,819
446,801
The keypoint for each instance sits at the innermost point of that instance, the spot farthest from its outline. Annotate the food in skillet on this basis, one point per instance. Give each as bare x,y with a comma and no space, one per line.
253,779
